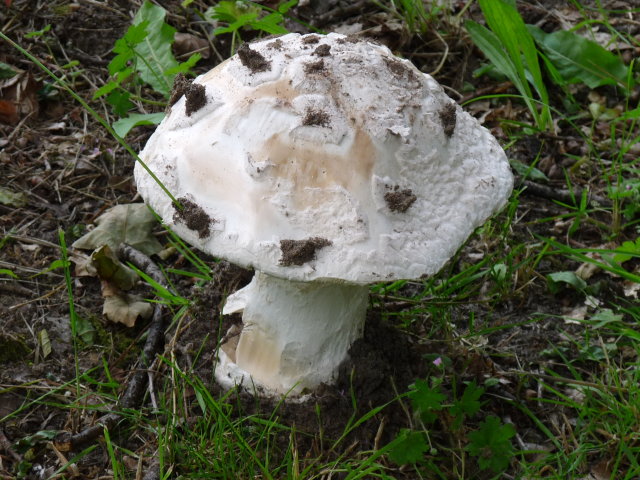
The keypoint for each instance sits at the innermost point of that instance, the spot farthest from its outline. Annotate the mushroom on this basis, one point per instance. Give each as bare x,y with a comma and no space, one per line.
325,163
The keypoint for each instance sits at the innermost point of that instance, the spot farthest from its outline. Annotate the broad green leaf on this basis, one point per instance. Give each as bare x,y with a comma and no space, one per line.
491,443
627,251
604,317
7,71
528,171
130,223
579,59
468,404
568,277
123,126
154,55
409,447
426,400
119,100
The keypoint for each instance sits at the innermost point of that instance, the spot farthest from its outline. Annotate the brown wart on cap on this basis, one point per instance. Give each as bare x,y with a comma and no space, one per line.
194,217
322,50
314,67
299,252
180,83
399,200
316,118
448,119
310,39
196,98
253,59
276,44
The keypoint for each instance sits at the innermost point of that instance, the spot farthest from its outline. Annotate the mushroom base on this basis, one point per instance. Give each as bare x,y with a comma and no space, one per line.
294,334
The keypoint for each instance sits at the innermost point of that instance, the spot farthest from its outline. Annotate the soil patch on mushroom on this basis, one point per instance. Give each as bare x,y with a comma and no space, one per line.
194,217
448,119
322,51
399,200
196,98
315,118
299,252
253,59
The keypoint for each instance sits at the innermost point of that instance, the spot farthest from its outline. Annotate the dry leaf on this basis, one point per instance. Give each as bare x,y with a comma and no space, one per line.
186,44
125,308
131,224
112,270
18,97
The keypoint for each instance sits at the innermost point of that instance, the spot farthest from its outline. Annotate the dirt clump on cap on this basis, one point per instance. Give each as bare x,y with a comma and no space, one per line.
399,200
299,252
322,50
314,67
448,119
316,118
196,98
253,59
194,217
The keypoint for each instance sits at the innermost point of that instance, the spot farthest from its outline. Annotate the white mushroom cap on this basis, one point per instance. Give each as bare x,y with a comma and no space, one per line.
315,157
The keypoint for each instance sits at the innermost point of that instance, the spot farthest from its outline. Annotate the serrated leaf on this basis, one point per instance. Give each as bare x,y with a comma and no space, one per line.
123,126
579,59
126,309
154,51
468,404
491,443
131,224
409,447
120,102
426,400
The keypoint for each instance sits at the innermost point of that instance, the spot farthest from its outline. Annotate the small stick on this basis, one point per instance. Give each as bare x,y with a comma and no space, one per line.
138,383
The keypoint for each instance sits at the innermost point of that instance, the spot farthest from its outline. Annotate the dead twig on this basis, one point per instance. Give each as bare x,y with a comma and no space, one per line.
138,382
562,195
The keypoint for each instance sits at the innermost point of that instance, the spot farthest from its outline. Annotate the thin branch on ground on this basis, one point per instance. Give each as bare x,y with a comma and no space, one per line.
138,383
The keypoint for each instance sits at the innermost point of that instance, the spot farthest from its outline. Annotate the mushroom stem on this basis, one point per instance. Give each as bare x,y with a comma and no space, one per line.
294,334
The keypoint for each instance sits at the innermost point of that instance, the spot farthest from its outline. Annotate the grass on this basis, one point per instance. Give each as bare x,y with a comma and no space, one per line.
572,410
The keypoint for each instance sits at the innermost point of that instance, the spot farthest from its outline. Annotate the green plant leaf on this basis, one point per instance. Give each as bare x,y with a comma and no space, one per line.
468,404
409,447
579,59
568,277
7,71
123,126
491,443
426,400
154,55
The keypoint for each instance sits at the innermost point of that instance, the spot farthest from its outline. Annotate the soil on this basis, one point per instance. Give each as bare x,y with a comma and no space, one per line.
299,252
67,171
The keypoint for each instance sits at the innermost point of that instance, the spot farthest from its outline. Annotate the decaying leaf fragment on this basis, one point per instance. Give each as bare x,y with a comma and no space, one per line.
131,224
18,97
125,308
